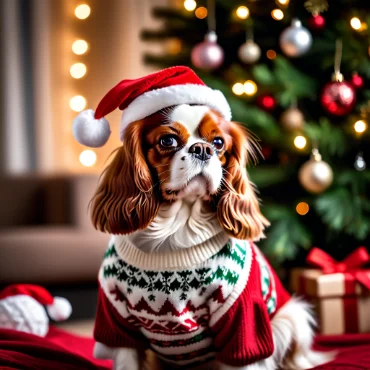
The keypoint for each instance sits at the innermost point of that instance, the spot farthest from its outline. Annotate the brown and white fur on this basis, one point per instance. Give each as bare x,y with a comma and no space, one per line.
180,171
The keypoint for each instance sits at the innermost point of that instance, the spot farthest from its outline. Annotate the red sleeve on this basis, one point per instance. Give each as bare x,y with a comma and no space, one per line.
113,330
243,335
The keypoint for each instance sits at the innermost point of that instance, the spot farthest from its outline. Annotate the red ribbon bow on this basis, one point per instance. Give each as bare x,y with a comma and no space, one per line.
351,264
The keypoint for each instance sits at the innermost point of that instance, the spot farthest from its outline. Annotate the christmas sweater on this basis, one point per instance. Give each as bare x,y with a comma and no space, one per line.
219,308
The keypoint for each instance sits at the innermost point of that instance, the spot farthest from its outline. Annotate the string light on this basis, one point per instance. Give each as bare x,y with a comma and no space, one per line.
250,88
302,208
300,142
283,2
201,12
80,47
360,126
77,103
277,14
78,70
356,23
242,12
82,11
238,88
190,5
88,158
271,54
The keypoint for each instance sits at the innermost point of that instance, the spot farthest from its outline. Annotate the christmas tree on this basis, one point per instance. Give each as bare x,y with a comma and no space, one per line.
296,74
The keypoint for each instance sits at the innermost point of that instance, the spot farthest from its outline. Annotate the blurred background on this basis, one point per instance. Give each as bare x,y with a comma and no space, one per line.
296,73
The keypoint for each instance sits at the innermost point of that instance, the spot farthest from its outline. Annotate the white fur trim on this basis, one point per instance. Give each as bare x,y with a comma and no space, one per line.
60,310
155,100
89,131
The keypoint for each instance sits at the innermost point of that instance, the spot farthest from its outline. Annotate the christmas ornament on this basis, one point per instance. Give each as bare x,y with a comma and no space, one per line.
292,119
266,102
360,163
208,54
338,97
295,40
316,6
315,175
316,22
357,81
249,52
21,308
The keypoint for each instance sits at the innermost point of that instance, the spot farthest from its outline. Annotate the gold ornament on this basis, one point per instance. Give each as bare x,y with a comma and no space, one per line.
315,175
316,6
292,119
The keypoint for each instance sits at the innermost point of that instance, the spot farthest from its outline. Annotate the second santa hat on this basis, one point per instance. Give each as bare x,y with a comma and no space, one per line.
144,96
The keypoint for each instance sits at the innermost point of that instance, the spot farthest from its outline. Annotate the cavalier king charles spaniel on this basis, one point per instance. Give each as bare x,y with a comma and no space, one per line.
177,191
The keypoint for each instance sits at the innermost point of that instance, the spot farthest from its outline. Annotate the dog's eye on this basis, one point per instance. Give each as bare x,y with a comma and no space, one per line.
168,142
218,143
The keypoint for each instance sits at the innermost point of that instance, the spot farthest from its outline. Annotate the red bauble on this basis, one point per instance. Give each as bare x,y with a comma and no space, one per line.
357,81
316,22
266,102
338,98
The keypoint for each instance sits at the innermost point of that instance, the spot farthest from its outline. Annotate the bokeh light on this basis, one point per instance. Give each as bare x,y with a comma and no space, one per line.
88,158
82,11
190,5
77,103
300,142
242,12
78,70
302,208
360,126
238,88
250,88
80,47
201,12
277,14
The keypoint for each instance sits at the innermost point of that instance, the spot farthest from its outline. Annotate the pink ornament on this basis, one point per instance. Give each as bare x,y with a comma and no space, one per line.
338,98
316,22
208,54
357,81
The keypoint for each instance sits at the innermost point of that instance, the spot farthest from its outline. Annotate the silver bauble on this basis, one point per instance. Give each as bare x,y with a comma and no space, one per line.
315,176
208,54
360,163
249,52
292,119
295,40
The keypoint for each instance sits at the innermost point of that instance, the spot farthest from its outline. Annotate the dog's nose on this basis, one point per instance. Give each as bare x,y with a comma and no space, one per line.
202,151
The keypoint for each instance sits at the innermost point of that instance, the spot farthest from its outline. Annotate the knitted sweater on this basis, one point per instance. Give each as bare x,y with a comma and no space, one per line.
219,307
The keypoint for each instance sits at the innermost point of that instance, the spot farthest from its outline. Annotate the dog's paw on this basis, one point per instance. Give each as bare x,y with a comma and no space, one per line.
126,359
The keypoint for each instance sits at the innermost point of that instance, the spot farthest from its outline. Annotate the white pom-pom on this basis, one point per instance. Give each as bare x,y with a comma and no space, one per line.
90,131
60,310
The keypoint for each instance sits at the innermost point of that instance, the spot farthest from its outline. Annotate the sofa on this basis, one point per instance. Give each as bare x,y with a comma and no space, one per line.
46,236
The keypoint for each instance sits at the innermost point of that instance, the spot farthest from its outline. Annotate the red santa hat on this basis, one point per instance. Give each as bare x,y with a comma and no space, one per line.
58,308
144,96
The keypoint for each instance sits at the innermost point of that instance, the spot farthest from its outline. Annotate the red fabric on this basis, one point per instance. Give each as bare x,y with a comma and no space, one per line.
243,335
58,351
126,91
35,291
112,330
64,351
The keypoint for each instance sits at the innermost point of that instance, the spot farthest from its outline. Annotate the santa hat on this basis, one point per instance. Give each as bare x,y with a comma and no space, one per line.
58,308
144,96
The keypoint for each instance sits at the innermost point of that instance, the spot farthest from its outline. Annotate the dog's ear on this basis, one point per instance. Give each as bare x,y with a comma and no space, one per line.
126,200
238,208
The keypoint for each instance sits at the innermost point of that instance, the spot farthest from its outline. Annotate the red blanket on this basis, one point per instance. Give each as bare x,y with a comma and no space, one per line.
64,351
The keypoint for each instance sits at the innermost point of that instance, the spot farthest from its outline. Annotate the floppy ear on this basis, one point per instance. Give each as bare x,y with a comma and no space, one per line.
125,200
238,208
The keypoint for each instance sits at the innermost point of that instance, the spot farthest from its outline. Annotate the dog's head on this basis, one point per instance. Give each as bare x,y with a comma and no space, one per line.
185,152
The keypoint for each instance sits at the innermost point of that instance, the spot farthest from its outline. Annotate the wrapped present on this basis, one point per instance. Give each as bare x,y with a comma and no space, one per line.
340,291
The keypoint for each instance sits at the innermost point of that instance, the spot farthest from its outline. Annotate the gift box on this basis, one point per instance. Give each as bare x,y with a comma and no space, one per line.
339,291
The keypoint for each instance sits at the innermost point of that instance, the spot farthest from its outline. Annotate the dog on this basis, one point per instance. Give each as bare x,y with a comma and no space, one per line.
182,275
